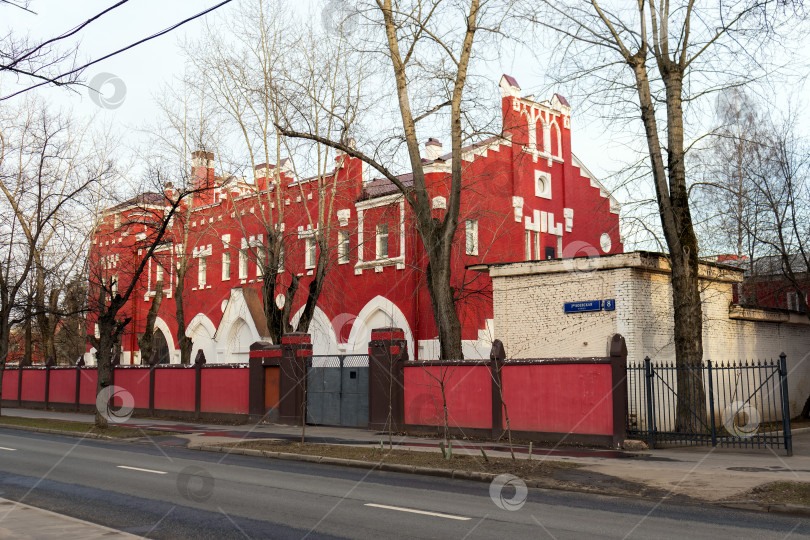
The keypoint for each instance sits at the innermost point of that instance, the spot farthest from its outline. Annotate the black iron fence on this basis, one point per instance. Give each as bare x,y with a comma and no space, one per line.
745,405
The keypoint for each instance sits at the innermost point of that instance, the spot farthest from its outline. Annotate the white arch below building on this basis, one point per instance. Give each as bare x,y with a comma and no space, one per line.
324,339
174,354
379,312
239,327
201,330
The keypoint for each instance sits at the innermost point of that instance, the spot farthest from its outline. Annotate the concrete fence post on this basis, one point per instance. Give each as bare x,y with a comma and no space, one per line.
387,354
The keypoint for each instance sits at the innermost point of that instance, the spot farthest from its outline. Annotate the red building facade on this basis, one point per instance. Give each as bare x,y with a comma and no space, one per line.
525,197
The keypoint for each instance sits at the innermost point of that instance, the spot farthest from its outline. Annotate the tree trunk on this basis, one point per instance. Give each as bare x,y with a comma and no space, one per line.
676,222
185,342
146,340
28,338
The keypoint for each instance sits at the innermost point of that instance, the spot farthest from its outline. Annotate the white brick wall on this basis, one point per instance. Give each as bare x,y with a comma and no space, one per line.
529,316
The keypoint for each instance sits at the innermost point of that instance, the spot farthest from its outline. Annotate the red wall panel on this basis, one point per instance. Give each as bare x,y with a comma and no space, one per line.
224,390
467,389
136,382
87,394
33,385
174,389
10,383
559,398
62,387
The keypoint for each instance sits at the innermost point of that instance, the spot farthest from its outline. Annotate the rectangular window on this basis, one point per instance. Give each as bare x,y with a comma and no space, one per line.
343,247
226,266
280,260
382,241
114,285
472,236
202,267
158,275
551,252
793,301
537,254
260,261
310,255
243,260
528,245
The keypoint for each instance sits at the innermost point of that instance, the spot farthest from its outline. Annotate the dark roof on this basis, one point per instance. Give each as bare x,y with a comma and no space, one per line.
383,186
511,80
562,100
148,198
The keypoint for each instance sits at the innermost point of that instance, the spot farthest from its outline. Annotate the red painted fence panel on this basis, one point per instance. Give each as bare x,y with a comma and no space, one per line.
10,383
87,394
225,390
559,398
174,389
33,385
468,390
62,388
136,382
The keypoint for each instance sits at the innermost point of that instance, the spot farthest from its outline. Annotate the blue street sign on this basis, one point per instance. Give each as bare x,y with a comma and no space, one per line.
587,305
609,305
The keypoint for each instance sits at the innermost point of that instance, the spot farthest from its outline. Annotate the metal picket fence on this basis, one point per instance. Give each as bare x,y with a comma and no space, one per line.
746,404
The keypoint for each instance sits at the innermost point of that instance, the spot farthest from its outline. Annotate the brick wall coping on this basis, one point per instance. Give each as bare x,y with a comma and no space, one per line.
644,260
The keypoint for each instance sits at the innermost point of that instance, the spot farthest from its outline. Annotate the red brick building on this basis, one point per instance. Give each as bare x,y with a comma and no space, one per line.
526,197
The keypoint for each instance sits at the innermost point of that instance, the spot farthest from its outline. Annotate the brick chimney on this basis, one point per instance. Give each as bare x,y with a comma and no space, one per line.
433,149
202,169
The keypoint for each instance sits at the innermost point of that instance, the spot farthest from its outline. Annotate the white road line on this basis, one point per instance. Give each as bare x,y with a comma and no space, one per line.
9,449
423,512
142,470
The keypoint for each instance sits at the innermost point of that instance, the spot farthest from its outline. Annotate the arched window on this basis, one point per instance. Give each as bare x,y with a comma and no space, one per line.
161,347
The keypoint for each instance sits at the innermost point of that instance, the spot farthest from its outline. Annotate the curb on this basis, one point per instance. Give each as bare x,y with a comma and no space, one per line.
356,463
67,433
775,508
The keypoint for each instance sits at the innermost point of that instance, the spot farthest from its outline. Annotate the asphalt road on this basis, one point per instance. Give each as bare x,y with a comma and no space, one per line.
169,492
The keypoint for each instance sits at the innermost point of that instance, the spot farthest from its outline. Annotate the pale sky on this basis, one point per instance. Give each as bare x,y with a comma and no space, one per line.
147,67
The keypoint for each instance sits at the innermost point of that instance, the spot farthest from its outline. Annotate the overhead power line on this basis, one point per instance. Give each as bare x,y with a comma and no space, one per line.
55,80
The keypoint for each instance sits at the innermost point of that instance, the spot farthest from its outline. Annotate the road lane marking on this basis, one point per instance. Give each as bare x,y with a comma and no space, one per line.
142,470
413,511
9,449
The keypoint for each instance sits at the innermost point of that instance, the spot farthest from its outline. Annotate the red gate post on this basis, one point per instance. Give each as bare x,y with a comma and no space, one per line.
497,355
387,354
296,353
618,365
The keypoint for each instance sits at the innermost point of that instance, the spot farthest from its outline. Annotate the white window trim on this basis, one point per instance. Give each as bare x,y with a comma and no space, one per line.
202,271
310,253
243,263
378,236
542,184
226,266
471,236
344,240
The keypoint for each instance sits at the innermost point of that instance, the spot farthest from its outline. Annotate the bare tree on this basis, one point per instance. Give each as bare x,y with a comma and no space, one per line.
663,57
429,47
146,219
43,169
244,79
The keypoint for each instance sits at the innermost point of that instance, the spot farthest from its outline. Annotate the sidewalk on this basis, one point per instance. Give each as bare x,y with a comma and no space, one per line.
21,521
696,472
